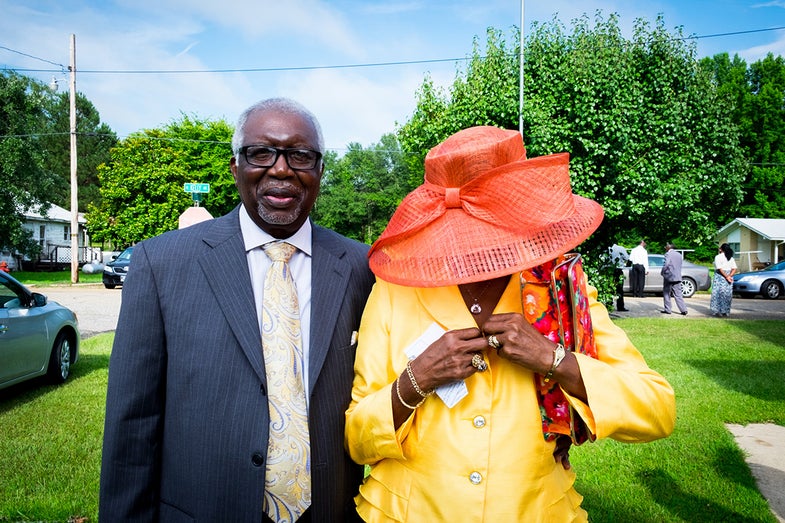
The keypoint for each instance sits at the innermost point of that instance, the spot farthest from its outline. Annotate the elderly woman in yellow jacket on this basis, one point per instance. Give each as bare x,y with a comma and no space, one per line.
450,314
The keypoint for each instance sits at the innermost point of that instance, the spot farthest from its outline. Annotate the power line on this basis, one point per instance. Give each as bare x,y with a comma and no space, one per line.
253,70
61,66
322,67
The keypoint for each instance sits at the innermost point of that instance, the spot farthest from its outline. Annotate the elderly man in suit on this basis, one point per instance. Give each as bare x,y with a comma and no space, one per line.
194,406
671,280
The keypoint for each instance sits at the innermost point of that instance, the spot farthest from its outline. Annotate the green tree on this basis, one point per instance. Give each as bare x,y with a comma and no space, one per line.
648,132
756,101
142,184
94,140
24,183
361,190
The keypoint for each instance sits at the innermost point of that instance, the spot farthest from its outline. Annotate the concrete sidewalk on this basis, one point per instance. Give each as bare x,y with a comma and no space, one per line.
764,447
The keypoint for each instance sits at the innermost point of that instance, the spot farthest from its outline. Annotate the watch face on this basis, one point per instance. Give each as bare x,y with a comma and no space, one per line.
559,354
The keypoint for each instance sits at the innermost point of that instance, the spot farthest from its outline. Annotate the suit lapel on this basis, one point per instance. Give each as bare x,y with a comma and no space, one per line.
225,268
329,281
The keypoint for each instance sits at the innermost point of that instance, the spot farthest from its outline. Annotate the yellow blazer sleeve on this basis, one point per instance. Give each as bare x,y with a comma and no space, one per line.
370,434
627,400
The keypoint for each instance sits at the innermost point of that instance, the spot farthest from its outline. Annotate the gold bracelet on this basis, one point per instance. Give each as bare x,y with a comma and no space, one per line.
414,381
400,398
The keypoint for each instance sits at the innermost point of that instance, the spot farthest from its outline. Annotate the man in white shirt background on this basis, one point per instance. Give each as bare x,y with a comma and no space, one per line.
640,268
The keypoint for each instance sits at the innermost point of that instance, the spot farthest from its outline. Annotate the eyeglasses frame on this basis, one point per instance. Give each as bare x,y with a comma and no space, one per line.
278,152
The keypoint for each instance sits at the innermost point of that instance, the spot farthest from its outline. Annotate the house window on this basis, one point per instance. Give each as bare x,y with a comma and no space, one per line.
736,246
65,232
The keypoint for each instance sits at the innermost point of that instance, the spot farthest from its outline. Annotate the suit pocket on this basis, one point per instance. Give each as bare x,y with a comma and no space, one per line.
171,514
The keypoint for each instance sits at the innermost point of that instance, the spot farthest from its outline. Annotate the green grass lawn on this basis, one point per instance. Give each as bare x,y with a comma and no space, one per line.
722,371
53,277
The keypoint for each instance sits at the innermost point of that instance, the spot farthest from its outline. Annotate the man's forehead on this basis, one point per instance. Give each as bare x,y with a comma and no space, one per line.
278,121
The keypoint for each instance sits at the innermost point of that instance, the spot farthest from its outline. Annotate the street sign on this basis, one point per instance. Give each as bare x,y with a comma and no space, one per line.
197,187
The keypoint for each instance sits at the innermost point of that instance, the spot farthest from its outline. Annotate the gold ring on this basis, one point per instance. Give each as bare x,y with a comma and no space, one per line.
479,363
493,342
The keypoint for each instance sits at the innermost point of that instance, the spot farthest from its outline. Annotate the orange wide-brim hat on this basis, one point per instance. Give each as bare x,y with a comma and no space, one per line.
484,211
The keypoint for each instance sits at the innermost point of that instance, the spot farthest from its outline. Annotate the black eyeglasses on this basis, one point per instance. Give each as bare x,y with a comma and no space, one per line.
266,156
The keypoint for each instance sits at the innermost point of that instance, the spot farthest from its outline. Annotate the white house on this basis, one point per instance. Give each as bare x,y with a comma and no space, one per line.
755,241
52,231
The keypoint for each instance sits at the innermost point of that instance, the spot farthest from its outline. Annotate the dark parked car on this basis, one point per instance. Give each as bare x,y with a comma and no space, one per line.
693,277
769,282
115,270
37,336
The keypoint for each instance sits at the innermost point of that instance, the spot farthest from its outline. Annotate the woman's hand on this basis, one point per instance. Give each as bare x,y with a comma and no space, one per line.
446,360
523,345
449,358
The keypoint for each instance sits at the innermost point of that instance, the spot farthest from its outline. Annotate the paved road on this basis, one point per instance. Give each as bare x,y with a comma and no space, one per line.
98,308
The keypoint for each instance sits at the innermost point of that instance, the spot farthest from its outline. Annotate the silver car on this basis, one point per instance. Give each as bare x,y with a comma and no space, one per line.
768,282
37,337
693,277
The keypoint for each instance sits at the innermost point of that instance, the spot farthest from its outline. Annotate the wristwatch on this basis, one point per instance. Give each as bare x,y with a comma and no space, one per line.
558,355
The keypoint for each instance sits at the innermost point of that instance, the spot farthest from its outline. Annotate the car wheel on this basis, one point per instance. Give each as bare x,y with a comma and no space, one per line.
688,287
771,289
60,360
110,285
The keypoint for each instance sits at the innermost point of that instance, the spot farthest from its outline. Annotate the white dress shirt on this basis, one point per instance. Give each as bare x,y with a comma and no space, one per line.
300,266
638,255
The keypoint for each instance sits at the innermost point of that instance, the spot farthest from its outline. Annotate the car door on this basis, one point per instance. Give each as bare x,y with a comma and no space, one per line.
654,278
24,340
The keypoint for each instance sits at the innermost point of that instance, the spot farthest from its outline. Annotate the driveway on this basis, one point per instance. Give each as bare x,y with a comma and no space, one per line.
698,307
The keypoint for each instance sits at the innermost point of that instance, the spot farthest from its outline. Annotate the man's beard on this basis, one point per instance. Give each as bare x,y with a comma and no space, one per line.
276,218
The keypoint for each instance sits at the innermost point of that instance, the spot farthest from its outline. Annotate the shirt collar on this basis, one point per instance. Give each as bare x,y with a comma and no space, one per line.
254,237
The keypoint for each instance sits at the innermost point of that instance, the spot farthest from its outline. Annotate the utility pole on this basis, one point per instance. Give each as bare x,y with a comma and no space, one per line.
74,200
520,77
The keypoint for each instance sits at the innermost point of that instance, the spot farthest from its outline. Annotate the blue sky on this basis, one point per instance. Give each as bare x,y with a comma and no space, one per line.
119,43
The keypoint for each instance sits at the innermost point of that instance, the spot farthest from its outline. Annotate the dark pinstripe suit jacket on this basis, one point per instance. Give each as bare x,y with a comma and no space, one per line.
186,414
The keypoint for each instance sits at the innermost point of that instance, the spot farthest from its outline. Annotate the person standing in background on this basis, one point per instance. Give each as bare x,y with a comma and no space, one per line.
671,280
722,286
619,258
640,268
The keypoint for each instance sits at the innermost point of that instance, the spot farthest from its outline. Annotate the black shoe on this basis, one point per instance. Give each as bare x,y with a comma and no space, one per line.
684,313
665,312
623,310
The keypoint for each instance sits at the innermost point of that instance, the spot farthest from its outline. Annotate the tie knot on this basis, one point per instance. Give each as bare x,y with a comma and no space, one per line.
279,251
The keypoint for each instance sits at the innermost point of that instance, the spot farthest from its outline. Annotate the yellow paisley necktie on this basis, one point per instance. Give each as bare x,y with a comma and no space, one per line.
288,475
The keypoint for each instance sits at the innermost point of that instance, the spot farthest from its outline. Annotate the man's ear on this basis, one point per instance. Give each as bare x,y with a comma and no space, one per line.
233,167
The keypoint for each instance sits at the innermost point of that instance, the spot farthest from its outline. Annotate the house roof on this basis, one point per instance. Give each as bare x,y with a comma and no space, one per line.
768,228
54,214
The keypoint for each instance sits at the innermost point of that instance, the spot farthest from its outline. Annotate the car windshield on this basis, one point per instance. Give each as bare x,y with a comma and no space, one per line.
776,267
126,254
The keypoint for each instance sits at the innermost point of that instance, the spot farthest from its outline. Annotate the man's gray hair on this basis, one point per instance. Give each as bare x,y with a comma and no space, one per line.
285,105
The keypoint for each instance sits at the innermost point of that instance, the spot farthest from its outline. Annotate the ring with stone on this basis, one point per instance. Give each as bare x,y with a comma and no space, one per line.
493,342
479,363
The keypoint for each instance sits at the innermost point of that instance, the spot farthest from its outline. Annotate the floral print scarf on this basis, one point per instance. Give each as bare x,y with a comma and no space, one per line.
556,303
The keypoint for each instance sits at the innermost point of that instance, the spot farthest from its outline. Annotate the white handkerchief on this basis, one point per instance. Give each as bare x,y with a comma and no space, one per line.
450,393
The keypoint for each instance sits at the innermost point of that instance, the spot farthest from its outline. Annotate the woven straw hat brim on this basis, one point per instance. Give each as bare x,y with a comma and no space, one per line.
512,218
